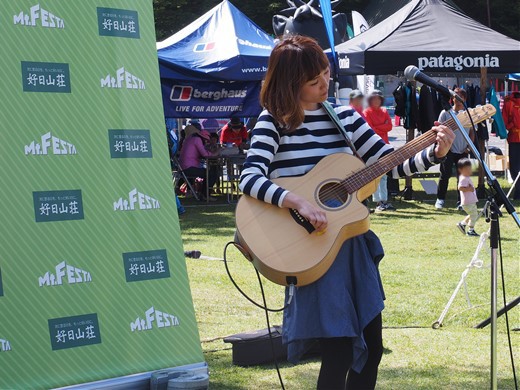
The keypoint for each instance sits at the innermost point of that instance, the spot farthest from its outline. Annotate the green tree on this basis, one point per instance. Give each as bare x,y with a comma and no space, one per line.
173,15
505,14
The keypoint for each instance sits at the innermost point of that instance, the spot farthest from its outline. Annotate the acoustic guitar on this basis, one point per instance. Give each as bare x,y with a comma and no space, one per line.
285,247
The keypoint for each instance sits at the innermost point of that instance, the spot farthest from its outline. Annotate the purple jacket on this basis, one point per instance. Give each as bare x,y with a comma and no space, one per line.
192,152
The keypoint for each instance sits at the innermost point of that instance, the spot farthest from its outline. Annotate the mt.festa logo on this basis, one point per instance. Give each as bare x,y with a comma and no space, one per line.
136,201
64,272
151,316
122,79
458,63
49,144
47,19
5,346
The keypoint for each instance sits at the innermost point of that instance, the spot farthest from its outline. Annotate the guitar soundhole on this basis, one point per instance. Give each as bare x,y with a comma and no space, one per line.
333,195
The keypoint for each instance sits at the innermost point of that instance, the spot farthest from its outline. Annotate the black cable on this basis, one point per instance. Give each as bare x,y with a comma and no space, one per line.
269,330
263,307
505,304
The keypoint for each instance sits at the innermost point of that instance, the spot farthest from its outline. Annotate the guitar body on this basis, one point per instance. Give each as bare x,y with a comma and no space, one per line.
283,246
276,241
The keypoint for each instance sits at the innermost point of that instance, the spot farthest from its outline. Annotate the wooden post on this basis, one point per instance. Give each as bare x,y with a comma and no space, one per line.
481,190
408,188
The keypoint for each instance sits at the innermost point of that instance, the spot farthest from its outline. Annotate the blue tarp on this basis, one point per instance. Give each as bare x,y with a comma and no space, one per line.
220,53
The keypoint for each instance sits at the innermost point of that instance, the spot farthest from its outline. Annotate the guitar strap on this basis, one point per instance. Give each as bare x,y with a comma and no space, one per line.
337,122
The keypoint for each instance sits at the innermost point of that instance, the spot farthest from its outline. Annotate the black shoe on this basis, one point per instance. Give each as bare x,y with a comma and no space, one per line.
472,233
462,227
389,206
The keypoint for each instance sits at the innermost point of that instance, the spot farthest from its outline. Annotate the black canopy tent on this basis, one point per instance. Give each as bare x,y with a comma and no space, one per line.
433,35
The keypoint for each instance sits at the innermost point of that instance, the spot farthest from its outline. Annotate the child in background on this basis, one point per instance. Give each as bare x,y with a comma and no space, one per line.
356,102
379,120
468,198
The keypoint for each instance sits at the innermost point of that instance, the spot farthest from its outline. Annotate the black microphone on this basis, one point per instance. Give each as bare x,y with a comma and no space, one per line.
413,73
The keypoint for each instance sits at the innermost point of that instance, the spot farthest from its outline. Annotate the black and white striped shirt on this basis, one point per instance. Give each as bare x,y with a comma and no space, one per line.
274,154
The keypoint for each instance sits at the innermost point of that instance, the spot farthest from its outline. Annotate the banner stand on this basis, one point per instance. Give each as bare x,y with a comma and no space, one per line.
93,278
136,381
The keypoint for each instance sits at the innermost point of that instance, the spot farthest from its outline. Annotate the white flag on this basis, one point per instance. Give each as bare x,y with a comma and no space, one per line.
359,24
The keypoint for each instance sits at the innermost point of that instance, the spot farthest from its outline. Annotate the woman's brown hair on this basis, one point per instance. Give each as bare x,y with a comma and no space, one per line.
294,61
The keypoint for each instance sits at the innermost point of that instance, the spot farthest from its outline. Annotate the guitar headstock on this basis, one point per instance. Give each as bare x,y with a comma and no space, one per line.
478,114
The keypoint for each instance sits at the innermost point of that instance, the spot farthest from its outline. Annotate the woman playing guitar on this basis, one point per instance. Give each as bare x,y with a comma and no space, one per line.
341,310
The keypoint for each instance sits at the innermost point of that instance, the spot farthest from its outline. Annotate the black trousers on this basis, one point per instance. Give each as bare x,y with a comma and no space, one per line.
446,172
514,165
201,172
336,352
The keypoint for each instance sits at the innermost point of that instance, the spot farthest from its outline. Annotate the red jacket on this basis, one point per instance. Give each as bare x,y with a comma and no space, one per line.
511,115
379,120
229,136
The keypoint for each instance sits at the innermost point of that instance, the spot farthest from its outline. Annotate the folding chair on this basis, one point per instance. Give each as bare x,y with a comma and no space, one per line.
179,173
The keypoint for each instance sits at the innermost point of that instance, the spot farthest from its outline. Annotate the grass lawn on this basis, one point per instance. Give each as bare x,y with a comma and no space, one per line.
425,255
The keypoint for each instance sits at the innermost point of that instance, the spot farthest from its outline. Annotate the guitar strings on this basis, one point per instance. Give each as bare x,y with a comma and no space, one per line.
350,183
353,182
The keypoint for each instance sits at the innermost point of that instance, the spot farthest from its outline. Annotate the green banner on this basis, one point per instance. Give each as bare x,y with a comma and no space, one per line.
93,282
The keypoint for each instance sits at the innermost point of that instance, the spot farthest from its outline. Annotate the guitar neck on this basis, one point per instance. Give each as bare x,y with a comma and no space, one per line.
385,164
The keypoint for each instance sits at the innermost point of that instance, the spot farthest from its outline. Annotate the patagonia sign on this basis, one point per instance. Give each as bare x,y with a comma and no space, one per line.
459,63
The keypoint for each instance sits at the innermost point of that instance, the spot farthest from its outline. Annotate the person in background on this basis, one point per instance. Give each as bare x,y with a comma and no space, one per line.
511,116
192,126
192,152
213,145
468,198
356,101
379,120
173,146
234,133
210,125
459,150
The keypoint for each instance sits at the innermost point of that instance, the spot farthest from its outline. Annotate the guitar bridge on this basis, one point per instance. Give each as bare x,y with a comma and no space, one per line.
300,220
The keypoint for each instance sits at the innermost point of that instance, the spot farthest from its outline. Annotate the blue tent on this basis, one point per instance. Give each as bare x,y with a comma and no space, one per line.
214,66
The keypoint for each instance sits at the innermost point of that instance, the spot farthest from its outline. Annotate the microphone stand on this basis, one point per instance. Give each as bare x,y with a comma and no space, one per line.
498,198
